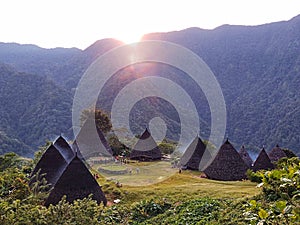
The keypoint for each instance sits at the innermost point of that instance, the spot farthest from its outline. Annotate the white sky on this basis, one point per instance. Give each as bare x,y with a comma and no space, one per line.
67,23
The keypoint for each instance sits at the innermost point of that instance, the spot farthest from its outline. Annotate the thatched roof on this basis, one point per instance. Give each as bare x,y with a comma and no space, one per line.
245,156
52,164
91,143
262,161
193,154
76,182
276,153
146,148
64,148
77,151
226,165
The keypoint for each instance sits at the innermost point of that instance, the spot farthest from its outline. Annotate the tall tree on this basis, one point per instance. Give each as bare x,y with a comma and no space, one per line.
101,118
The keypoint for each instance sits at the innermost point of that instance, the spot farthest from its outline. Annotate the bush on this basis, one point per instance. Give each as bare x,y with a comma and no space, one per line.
148,208
279,202
254,176
198,211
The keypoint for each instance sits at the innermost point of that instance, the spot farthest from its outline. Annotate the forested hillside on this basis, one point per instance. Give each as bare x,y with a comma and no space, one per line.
258,68
33,109
35,60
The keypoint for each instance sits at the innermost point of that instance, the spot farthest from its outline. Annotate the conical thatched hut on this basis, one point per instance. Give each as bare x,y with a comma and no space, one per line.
226,165
64,148
193,154
52,164
76,182
77,151
90,143
146,148
276,153
245,156
262,162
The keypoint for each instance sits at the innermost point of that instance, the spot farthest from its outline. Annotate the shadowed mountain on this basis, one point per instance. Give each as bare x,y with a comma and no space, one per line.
33,109
35,60
11,144
257,68
71,70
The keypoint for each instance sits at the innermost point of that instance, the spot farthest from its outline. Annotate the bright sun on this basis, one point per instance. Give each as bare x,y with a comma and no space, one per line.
130,37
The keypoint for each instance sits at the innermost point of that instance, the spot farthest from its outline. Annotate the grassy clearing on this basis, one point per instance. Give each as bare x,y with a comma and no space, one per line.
114,167
189,185
139,174
159,180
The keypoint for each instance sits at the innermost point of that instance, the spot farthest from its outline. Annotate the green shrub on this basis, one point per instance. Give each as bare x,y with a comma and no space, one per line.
148,208
279,202
254,176
198,211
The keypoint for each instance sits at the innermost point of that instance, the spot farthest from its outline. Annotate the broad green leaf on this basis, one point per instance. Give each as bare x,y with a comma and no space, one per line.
253,203
280,205
263,214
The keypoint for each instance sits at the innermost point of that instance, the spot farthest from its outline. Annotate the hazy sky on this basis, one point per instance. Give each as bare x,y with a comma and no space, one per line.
67,23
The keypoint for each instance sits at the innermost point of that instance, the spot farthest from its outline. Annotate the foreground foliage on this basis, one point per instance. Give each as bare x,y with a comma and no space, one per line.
278,203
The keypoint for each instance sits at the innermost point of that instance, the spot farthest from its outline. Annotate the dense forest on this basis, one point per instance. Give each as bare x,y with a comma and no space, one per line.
33,109
256,66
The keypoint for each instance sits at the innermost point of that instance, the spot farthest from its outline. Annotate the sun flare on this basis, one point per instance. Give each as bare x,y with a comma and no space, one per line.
130,37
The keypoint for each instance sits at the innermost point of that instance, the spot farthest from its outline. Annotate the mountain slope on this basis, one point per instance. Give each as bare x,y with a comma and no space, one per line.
33,108
258,68
71,70
10,144
35,60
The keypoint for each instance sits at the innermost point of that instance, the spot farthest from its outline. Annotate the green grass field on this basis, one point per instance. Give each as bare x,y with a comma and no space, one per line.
139,174
158,179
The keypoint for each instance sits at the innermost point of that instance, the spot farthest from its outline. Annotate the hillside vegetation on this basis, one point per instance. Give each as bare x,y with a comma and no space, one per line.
181,199
257,67
33,109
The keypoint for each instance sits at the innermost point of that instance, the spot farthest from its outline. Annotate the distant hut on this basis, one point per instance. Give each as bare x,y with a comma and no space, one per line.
262,162
90,143
146,149
193,154
64,148
76,150
52,164
245,156
227,165
276,153
76,182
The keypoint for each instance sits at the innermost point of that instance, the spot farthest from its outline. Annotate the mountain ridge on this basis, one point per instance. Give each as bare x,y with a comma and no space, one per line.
256,66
